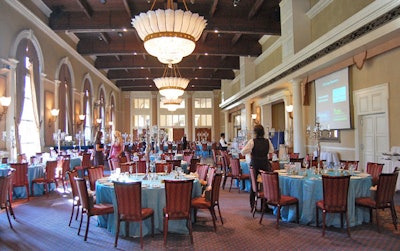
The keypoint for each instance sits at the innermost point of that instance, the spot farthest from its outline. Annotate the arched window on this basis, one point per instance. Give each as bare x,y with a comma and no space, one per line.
87,111
27,99
65,101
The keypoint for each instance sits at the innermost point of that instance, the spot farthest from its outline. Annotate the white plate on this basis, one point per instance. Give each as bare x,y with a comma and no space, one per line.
280,171
355,177
296,176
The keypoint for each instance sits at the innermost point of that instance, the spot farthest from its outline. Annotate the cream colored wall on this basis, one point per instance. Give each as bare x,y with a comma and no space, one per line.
12,23
270,41
334,14
270,62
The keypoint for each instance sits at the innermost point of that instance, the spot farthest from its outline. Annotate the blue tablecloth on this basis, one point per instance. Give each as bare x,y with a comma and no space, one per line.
309,191
34,171
245,170
152,198
5,170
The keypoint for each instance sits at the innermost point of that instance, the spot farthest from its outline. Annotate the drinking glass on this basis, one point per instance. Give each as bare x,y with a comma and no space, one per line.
166,169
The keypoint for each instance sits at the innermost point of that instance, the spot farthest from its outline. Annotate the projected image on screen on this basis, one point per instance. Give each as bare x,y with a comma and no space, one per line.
332,100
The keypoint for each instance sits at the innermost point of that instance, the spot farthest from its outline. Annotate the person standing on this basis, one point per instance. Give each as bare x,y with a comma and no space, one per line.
117,148
98,159
184,142
259,147
222,142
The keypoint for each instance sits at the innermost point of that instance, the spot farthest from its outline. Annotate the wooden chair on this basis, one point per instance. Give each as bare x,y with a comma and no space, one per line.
193,165
297,160
211,202
20,177
75,196
335,194
187,158
174,162
178,207
275,165
4,160
202,170
216,157
226,170
346,164
375,169
256,190
88,207
125,166
141,166
237,173
4,193
86,163
94,174
272,196
129,204
294,155
65,167
160,167
49,177
384,197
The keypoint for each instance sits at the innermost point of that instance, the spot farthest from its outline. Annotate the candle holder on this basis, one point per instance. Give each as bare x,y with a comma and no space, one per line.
315,133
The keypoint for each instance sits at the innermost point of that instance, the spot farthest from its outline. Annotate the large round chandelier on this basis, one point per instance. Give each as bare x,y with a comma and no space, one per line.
171,85
172,104
169,34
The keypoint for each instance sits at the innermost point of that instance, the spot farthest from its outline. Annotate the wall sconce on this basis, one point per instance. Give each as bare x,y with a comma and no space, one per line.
289,109
110,125
271,132
54,113
98,122
81,119
254,118
5,102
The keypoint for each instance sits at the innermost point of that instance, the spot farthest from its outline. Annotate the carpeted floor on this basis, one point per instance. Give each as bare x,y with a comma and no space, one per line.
42,224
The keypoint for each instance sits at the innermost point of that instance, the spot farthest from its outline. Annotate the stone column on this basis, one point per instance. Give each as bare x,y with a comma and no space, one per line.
298,130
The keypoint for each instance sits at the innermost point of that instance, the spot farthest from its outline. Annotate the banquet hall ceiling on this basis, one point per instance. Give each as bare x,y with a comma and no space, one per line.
104,32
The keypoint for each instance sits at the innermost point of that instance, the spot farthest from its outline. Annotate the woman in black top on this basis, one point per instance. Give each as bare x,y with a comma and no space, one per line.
259,148
98,150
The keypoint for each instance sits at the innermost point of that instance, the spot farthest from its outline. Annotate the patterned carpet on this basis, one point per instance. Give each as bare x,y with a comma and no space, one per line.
42,224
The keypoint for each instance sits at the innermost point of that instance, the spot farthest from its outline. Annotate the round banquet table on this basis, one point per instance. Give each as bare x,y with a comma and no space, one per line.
309,190
153,196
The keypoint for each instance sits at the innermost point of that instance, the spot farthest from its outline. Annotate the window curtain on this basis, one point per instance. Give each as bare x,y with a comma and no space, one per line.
34,99
20,89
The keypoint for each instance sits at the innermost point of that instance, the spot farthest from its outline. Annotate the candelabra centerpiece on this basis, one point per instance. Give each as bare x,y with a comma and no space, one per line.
315,134
58,136
79,137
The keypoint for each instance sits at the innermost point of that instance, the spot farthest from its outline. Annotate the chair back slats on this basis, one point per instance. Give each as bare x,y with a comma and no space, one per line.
375,169
187,158
275,165
202,170
178,207
20,177
4,186
141,166
174,162
335,192
86,163
83,193
65,165
210,175
386,189
51,166
253,180
235,167
129,199
216,185
193,164
270,183
71,176
160,167
95,173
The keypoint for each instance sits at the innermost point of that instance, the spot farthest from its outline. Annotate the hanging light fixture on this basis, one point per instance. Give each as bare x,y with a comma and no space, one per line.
171,85
169,34
172,104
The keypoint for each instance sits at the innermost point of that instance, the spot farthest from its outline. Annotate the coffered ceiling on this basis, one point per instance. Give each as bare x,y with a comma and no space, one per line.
104,32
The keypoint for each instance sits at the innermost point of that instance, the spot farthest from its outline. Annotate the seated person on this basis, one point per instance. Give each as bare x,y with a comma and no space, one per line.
222,143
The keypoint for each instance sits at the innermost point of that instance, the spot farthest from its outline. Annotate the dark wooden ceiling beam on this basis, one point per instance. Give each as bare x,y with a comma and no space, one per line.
236,38
104,37
213,8
157,73
118,21
85,7
148,85
127,8
137,62
256,7
220,46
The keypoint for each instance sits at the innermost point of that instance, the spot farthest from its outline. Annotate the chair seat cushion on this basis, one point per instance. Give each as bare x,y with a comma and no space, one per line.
286,200
146,212
99,209
365,201
201,202
245,176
